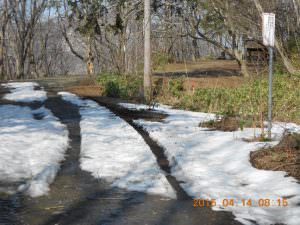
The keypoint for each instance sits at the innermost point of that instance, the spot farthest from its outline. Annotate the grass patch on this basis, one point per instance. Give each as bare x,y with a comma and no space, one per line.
248,101
120,86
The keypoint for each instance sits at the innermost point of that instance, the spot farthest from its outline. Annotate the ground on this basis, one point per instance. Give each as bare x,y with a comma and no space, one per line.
201,68
88,88
204,73
285,156
75,197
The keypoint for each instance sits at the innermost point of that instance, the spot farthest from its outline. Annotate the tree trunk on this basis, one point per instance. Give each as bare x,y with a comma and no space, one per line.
147,52
90,59
242,63
2,39
20,67
1,56
244,68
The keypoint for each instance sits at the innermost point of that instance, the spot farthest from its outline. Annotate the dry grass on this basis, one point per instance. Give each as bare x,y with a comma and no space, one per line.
283,157
86,90
201,65
225,124
211,82
231,123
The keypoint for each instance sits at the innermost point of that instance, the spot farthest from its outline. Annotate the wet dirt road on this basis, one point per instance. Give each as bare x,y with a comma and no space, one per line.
78,198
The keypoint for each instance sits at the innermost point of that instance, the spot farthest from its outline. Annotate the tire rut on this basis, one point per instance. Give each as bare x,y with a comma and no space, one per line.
157,150
77,198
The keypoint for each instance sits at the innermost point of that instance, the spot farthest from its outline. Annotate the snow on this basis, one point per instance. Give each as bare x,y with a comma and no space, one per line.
215,165
112,150
24,92
30,150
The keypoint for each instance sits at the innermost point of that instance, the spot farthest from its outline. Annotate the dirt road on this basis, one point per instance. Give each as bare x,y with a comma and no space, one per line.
78,198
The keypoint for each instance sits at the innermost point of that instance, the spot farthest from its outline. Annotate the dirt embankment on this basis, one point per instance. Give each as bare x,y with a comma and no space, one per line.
283,157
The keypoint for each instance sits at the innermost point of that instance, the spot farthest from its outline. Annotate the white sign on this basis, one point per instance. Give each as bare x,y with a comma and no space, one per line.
268,29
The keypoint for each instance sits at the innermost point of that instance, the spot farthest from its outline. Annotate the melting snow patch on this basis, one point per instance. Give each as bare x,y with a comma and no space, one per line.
30,150
112,150
24,92
215,165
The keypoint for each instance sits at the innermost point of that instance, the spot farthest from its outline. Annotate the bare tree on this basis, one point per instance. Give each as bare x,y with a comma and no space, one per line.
3,21
25,15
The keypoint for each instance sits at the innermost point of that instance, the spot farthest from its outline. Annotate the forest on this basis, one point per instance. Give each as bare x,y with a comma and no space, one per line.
205,55
159,112
42,38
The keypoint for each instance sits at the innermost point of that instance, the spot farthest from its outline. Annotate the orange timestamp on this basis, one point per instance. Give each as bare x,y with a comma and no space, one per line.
231,202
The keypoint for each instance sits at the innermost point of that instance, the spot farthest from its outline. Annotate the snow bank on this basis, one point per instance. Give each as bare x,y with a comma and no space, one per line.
24,92
30,150
215,165
112,150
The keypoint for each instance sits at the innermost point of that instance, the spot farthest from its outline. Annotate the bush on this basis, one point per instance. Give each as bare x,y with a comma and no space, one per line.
112,89
160,60
116,85
176,86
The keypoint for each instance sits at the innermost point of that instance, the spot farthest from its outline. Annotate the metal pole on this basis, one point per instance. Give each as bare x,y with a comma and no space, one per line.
270,92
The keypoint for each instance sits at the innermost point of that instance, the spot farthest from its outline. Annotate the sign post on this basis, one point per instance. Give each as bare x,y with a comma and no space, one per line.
269,41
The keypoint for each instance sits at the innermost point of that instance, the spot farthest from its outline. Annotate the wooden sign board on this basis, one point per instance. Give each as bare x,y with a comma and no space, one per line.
268,31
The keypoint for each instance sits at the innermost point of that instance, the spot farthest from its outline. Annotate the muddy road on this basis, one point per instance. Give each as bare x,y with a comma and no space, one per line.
76,197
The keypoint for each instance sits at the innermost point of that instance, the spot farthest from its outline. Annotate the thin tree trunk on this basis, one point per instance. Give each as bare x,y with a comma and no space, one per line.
90,58
2,40
1,56
239,57
20,66
147,52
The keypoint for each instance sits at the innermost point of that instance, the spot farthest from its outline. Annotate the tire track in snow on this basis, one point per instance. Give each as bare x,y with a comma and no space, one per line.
85,200
157,150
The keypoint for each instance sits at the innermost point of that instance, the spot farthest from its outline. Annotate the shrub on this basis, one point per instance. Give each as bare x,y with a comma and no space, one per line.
160,60
116,85
112,89
176,86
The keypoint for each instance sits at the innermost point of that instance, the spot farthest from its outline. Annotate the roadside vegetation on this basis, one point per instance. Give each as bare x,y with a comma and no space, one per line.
120,86
249,100
240,104
206,55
